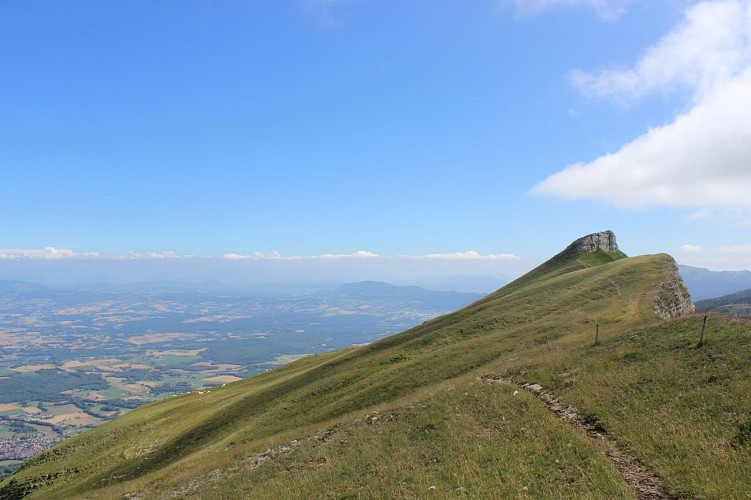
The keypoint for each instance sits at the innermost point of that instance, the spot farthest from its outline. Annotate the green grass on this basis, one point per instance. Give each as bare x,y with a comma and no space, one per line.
176,361
437,426
5,432
680,408
489,447
113,393
84,368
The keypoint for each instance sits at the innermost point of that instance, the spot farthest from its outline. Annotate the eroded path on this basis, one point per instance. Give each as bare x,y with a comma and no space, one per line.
646,484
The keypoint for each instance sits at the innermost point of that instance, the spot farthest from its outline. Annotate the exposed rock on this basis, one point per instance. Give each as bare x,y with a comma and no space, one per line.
604,241
672,299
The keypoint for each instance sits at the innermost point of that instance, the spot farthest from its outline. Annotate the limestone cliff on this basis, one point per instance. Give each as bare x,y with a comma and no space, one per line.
672,299
604,241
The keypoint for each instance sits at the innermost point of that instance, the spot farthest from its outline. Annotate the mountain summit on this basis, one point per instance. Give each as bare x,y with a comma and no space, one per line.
588,251
604,241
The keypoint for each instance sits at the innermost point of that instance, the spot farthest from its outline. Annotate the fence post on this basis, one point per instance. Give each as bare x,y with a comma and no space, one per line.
597,334
703,327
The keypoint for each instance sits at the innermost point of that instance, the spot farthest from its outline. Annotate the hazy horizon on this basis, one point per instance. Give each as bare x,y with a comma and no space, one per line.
398,271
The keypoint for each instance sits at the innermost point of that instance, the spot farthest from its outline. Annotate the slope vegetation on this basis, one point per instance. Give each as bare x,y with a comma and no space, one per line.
410,415
736,304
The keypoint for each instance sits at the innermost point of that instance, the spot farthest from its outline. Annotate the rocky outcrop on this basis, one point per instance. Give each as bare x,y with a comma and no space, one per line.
595,242
604,241
672,299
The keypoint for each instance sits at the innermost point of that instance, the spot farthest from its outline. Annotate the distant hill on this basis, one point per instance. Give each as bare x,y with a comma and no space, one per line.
449,408
706,284
377,290
13,286
736,304
463,283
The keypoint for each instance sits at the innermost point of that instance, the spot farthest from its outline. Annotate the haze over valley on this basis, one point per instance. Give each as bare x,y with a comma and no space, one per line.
71,359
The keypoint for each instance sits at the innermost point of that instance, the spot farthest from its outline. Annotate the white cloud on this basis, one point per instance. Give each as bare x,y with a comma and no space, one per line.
734,249
721,258
131,255
364,254
691,248
46,253
234,256
608,10
53,253
709,47
61,253
702,160
360,254
468,255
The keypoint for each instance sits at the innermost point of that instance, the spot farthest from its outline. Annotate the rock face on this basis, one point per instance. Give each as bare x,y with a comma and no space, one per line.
672,299
604,241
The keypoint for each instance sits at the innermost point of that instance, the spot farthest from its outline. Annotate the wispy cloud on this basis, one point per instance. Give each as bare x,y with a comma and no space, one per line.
607,10
46,253
360,254
468,255
719,258
691,248
707,49
734,249
364,254
325,11
131,255
52,253
700,159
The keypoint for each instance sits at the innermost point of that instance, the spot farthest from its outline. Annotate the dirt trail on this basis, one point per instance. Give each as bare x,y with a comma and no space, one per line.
646,484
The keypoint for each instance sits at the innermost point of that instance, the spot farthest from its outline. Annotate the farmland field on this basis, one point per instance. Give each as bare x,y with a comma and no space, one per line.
72,359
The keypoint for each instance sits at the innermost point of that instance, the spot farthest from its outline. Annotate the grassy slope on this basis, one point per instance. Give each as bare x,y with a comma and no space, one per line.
678,407
437,425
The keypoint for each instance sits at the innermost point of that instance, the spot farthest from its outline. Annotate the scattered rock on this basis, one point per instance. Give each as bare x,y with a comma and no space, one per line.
647,485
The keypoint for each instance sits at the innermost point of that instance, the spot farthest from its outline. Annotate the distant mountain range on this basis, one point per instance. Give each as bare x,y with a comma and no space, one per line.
14,286
377,290
705,284
736,304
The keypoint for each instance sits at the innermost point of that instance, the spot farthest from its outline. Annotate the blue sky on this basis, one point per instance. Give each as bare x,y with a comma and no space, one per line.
487,131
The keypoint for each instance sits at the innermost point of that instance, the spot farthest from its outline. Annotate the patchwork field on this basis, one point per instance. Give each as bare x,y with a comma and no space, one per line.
71,360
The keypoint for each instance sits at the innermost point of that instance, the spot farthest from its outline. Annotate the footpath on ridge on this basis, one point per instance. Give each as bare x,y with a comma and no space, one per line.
646,484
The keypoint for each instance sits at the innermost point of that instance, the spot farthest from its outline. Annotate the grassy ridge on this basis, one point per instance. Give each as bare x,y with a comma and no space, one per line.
187,443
